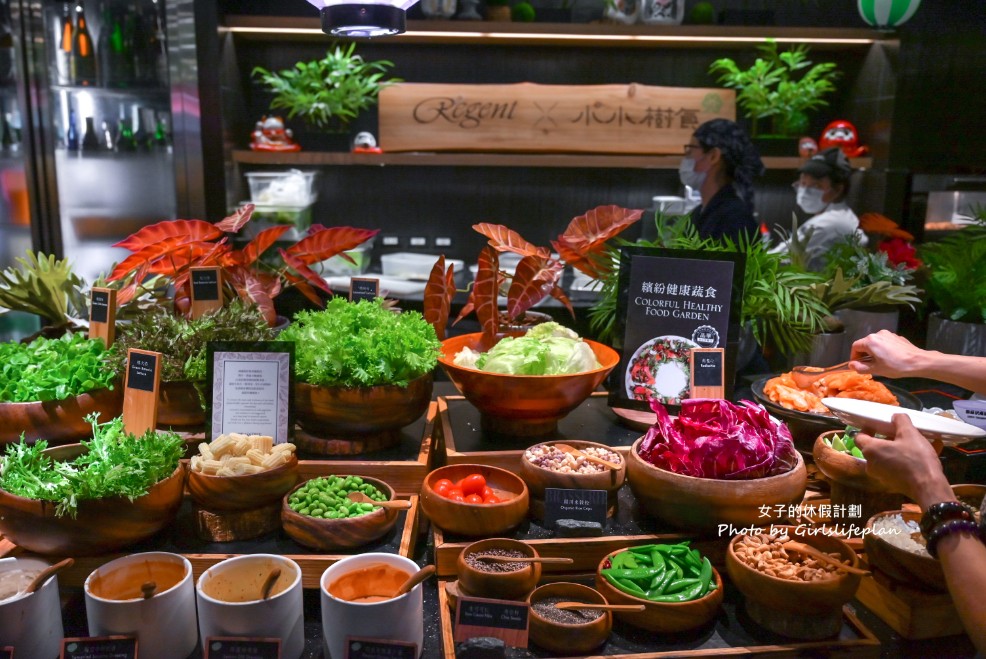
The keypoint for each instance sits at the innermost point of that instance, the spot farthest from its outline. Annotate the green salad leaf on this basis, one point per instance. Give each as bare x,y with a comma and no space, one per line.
53,369
361,344
546,349
117,464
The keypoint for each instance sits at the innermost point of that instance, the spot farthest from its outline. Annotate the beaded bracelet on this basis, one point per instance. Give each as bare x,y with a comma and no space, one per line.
942,512
947,528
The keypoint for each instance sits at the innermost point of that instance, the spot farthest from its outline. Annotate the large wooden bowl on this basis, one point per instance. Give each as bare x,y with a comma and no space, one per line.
246,492
540,478
523,404
803,609
850,484
569,639
476,519
179,407
899,564
58,421
701,504
327,411
498,585
101,525
330,534
663,617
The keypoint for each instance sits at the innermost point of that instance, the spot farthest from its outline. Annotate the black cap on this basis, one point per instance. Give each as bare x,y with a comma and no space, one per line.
831,163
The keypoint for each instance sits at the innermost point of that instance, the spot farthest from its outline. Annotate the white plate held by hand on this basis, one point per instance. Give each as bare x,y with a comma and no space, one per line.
875,418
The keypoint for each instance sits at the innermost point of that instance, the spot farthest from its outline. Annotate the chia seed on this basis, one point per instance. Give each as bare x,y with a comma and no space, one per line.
546,609
484,565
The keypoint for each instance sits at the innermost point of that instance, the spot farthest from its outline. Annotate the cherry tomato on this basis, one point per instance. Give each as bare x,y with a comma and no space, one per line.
492,498
473,484
442,482
474,498
453,492
457,496
441,489
488,491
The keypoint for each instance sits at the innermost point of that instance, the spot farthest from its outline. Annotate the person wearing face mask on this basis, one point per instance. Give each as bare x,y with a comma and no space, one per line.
821,192
721,162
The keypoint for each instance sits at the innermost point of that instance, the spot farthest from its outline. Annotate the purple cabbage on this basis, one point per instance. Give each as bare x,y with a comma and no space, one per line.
714,438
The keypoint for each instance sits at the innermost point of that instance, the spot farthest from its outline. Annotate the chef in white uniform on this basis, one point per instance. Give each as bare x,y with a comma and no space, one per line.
821,192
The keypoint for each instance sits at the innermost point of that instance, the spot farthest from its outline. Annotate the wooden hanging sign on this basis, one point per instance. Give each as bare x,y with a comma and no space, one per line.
207,290
534,118
102,315
708,371
363,288
140,394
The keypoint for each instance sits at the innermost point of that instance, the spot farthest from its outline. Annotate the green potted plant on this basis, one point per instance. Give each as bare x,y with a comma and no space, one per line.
329,93
956,285
780,87
363,371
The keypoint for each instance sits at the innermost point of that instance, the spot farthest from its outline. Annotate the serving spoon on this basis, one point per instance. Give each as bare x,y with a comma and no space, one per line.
807,550
46,573
566,606
272,578
396,504
524,559
415,579
804,376
571,450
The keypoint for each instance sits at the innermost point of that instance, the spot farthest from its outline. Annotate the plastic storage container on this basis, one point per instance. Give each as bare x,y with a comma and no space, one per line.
289,188
338,265
409,265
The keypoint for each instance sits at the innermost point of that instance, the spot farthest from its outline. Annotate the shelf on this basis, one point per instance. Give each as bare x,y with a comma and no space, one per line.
429,159
603,35
161,94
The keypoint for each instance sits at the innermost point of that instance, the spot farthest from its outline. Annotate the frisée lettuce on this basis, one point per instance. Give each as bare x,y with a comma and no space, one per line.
546,349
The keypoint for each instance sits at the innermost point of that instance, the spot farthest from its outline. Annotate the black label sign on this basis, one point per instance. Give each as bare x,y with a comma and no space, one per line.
205,285
583,505
99,307
242,648
109,647
374,648
363,288
708,369
140,373
669,302
491,614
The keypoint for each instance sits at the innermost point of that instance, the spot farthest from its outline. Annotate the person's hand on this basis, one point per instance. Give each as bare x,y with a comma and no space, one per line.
886,354
907,463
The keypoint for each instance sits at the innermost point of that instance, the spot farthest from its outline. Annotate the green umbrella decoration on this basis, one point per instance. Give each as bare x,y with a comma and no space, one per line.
885,14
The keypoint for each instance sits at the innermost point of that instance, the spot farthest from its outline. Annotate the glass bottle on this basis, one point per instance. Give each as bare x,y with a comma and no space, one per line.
125,137
115,59
84,70
90,141
63,56
108,141
71,133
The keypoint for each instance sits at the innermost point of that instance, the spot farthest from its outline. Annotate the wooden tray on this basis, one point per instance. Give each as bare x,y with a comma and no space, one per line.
465,441
181,538
732,633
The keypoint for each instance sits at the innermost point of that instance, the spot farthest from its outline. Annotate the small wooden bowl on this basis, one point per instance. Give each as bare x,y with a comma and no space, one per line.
101,525
850,484
800,609
328,411
58,421
540,478
246,492
901,565
179,407
569,639
330,534
498,585
476,519
970,491
700,504
664,617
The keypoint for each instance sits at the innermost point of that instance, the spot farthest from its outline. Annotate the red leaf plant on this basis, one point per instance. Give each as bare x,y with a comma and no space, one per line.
538,274
172,248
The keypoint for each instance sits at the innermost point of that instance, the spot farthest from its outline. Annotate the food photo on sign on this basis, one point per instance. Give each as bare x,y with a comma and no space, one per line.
670,302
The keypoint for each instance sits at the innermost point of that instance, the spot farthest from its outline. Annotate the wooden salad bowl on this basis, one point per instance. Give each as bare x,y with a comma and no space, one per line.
476,519
331,534
101,525
59,421
245,492
523,404
540,478
327,411
662,617
899,564
701,504
803,609
569,639
498,585
179,407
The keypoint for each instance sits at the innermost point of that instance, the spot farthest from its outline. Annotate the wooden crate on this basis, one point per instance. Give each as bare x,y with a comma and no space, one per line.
858,642
312,564
913,613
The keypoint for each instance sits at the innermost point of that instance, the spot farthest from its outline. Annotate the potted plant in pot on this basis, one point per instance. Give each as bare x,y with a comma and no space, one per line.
781,87
364,372
957,287
328,93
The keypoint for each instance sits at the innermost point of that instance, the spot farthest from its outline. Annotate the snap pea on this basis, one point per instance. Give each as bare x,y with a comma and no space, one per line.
663,584
640,573
657,560
677,573
705,574
680,584
683,596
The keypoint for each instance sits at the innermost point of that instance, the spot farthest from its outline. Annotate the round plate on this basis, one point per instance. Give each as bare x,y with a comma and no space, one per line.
676,367
876,418
906,399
